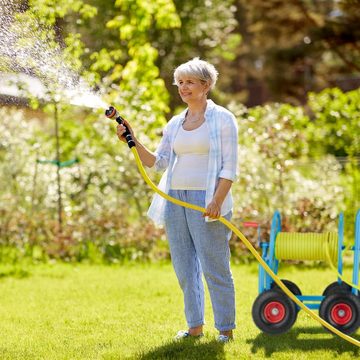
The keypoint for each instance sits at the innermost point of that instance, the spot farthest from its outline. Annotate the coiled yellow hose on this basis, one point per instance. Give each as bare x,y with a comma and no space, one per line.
310,246
307,246
249,246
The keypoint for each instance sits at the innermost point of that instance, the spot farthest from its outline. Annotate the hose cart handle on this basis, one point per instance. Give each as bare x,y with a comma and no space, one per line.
112,113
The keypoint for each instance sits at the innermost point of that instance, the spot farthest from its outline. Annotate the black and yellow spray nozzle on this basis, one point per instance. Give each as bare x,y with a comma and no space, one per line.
112,113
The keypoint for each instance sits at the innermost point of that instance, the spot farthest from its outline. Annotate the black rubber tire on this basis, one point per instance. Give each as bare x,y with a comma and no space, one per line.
336,288
289,284
265,320
341,311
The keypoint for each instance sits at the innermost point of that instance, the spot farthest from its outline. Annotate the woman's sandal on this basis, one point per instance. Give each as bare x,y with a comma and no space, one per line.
223,339
183,334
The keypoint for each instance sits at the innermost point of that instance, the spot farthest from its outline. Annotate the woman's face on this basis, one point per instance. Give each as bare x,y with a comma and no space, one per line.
191,89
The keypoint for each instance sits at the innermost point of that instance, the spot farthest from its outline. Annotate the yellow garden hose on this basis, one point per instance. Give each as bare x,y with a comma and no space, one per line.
249,246
310,246
331,263
306,246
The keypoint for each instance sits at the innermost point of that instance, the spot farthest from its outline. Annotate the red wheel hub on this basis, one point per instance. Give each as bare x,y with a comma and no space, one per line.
274,312
341,313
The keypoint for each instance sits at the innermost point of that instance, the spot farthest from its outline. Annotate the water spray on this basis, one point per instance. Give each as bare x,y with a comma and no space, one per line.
112,113
33,64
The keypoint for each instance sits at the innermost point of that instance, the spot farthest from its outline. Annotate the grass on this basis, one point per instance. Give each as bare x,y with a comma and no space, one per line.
132,312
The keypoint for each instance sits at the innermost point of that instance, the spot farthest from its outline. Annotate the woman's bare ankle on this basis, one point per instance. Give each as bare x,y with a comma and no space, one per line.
196,331
228,333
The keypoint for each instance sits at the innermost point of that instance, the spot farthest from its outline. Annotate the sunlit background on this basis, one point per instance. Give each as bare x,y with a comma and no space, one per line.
289,70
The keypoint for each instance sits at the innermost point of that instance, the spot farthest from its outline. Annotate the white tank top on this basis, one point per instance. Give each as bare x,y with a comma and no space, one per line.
192,155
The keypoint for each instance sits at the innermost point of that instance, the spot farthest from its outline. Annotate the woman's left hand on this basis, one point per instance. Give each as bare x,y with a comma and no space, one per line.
213,210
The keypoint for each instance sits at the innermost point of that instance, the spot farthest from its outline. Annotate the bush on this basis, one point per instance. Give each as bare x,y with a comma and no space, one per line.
284,164
276,172
103,198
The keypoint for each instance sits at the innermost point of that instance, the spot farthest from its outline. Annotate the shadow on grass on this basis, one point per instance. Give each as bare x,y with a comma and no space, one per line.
187,349
304,339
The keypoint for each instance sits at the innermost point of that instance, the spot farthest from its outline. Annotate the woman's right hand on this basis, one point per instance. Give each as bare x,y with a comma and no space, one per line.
120,131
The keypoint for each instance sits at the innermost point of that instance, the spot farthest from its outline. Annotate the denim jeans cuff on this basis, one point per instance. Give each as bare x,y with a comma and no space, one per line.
225,327
196,324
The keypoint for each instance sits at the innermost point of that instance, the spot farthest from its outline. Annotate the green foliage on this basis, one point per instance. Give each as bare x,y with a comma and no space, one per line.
207,31
335,128
99,206
105,199
277,172
38,33
49,11
137,18
132,76
89,186
130,49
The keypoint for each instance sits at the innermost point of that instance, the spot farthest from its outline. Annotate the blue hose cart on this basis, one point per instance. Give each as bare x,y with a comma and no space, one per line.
274,313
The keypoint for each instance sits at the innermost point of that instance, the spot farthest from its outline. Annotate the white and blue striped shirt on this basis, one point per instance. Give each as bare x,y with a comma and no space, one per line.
223,132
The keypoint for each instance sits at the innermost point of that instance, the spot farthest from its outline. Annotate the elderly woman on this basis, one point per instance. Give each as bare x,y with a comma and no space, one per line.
199,152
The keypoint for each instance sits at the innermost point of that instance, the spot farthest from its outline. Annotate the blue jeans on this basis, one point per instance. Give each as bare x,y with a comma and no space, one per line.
198,247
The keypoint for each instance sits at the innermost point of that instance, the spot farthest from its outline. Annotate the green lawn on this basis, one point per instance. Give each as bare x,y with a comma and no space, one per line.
132,312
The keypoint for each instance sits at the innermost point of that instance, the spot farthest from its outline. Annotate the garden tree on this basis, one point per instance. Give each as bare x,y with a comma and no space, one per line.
293,46
132,76
207,31
129,73
192,28
35,31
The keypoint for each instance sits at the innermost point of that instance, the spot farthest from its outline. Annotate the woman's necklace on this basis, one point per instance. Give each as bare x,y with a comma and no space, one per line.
195,119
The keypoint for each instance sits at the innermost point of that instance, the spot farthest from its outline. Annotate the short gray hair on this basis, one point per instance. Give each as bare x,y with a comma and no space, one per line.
199,69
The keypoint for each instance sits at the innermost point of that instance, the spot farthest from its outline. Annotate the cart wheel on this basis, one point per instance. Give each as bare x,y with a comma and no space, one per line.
289,284
336,288
342,311
273,312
